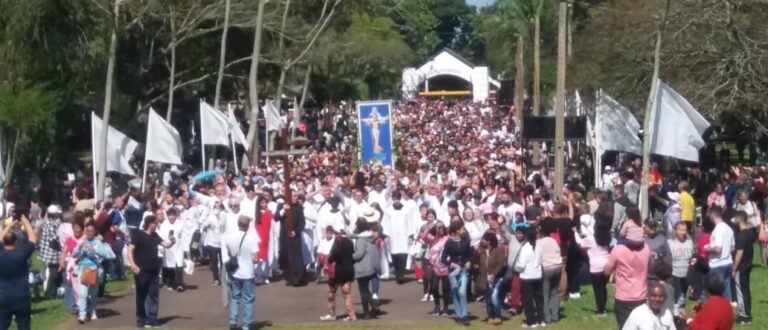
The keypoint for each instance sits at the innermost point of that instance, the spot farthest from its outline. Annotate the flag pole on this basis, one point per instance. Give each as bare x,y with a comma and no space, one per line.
648,110
232,141
266,139
202,139
93,160
144,173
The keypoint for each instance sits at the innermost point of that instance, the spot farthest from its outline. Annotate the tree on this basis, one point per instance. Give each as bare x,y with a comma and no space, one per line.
102,170
715,54
24,112
253,96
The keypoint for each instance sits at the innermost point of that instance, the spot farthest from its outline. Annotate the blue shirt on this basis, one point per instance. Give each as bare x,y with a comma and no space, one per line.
14,275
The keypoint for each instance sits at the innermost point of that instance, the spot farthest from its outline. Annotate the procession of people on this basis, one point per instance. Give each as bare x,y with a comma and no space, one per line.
467,210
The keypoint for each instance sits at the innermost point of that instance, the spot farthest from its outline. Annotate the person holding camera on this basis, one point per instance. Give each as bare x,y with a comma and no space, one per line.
240,252
14,284
143,258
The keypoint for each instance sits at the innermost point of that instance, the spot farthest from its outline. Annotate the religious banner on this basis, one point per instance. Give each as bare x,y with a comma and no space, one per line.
375,132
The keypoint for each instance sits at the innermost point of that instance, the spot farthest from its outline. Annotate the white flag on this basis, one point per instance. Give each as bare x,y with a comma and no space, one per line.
163,141
676,127
120,148
615,127
214,127
272,116
235,130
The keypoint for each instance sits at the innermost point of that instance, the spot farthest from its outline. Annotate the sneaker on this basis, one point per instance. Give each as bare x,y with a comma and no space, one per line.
479,299
426,297
600,315
328,317
431,298
93,316
525,325
375,297
435,312
444,312
419,281
169,288
543,324
348,319
576,295
734,304
81,320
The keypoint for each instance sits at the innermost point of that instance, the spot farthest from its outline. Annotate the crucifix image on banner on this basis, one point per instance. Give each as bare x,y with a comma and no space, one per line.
375,132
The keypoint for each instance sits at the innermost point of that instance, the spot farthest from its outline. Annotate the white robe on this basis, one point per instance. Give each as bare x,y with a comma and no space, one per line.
174,255
398,225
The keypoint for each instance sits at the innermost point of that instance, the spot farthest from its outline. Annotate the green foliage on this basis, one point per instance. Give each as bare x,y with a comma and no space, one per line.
366,55
26,109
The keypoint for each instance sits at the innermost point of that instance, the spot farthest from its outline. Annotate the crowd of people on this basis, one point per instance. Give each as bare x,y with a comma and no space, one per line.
465,211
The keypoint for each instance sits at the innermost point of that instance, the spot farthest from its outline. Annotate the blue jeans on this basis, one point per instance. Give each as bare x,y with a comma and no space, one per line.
375,283
458,280
88,299
493,294
247,290
117,267
725,273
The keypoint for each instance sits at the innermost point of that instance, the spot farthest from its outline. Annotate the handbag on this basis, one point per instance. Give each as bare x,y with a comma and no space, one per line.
232,264
89,276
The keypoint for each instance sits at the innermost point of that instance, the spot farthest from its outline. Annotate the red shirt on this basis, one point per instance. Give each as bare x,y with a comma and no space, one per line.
716,314
104,227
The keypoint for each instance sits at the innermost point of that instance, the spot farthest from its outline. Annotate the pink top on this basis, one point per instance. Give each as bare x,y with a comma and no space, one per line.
598,255
631,272
435,250
631,231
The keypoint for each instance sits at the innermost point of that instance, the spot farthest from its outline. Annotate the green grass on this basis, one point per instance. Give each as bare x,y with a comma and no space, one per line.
48,313
578,314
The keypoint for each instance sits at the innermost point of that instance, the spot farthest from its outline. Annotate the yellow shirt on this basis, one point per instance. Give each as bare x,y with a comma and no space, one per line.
9,221
689,208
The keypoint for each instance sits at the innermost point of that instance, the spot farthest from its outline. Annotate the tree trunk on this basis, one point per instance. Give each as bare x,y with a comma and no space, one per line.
300,106
536,82
12,160
537,66
102,173
559,149
519,81
253,96
281,50
222,55
648,109
172,80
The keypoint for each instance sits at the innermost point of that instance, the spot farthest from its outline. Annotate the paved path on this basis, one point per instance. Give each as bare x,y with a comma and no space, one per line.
201,306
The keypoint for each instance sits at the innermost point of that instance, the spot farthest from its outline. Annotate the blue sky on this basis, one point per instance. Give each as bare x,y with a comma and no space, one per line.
479,3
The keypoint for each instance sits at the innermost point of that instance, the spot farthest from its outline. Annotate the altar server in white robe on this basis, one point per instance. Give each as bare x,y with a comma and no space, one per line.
173,258
397,227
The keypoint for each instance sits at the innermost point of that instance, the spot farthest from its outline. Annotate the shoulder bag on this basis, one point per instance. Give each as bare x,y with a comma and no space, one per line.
232,264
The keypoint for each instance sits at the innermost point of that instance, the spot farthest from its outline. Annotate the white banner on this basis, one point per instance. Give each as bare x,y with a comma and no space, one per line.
163,141
120,148
615,127
214,127
676,127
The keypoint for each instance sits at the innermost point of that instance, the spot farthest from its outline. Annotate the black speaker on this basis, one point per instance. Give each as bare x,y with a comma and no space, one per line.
543,128
506,93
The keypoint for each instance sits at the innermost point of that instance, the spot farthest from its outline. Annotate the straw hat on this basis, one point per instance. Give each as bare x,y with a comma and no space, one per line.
370,214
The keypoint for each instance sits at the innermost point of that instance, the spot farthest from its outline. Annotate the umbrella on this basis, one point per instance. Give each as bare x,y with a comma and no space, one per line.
205,175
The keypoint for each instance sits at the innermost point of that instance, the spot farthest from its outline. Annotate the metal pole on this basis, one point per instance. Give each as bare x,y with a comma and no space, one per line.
560,109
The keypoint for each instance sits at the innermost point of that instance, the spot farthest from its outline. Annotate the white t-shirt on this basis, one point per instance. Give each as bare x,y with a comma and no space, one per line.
643,318
230,248
722,236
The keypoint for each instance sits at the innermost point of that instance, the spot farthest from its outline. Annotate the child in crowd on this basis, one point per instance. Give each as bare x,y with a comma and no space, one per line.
632,233
681,246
